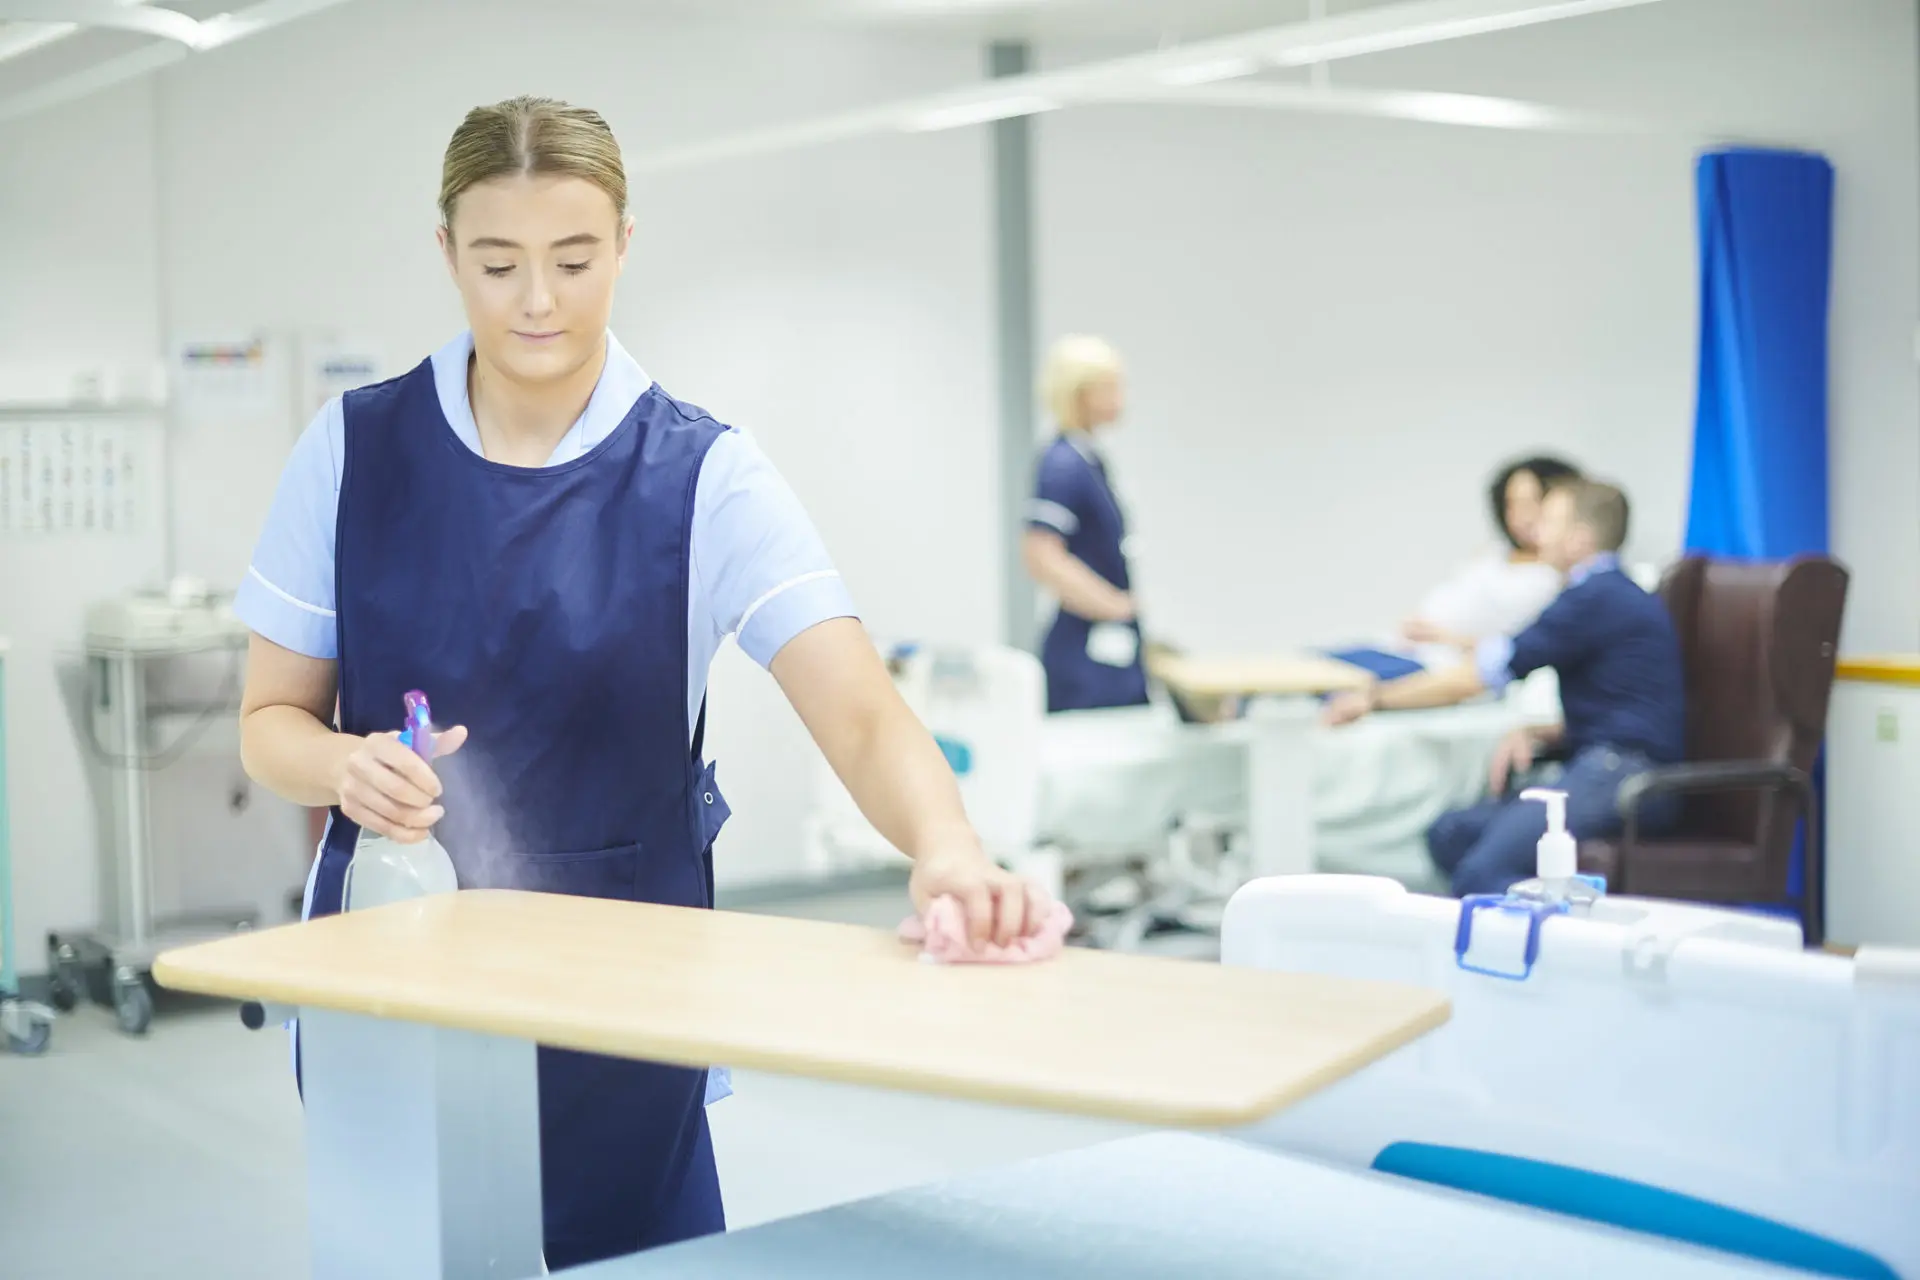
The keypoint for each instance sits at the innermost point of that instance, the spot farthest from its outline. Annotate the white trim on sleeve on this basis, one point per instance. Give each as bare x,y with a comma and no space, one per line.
816,576
1054,516
295,601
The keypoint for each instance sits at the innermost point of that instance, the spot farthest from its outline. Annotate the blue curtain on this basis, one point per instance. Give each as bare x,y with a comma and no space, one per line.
1760,427
1760,430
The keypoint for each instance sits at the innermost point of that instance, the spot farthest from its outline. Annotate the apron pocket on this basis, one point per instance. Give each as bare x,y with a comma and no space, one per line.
601,873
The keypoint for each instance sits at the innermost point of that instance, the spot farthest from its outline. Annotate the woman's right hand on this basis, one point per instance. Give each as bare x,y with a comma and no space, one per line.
388,790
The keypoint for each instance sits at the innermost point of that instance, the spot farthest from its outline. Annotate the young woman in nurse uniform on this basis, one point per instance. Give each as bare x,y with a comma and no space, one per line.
1075,545
535,533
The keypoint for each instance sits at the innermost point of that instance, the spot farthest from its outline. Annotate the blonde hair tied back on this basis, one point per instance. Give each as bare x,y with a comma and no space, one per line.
528,135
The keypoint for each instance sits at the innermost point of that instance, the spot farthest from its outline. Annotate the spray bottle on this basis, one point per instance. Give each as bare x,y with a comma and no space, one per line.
383,871
1557,877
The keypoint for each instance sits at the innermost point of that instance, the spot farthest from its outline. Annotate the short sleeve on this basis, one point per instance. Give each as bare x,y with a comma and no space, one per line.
1059,494
288,594
758,559
1493,660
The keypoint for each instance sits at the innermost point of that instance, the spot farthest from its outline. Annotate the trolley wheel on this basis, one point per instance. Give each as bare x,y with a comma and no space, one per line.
132,1003
67,979
34,1042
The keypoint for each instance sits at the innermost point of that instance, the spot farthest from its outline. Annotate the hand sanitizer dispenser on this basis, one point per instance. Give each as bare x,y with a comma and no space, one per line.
383,871
1557,888
1557,875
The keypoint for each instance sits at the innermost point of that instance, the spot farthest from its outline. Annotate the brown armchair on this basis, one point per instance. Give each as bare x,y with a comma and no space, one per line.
1758,642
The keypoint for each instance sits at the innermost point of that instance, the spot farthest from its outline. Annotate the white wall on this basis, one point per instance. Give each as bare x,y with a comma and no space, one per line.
1337,327
77,256
836,304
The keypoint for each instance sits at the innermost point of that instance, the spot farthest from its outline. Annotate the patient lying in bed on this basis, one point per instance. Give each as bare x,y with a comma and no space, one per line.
1499,593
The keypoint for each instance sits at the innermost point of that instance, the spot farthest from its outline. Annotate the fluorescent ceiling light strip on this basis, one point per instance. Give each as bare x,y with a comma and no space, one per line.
38,35
1428,108
1138,77
1211,72
1410,35
167,24
1387,26
217,31
970,113
228,27
1468,109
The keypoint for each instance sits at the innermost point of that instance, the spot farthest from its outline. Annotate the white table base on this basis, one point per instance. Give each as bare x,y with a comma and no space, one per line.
423,1151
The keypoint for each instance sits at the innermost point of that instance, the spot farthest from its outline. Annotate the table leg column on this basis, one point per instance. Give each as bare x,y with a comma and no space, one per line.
423,1151
1280,785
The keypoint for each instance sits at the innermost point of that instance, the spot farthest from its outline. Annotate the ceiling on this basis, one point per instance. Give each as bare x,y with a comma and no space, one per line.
25,59
42,72
1133,21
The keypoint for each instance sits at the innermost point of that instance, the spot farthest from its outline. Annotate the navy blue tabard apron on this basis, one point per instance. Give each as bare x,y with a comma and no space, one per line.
546,610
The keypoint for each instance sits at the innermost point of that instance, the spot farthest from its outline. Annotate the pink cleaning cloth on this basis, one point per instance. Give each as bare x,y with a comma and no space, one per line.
942,933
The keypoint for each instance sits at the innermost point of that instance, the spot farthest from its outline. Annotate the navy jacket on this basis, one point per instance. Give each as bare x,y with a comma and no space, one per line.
1617,655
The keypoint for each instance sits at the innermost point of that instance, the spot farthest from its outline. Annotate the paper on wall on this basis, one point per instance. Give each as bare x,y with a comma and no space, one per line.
333,366
222,379
72,477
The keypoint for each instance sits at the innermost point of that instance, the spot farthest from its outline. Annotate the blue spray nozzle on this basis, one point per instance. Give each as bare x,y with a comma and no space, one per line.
418,733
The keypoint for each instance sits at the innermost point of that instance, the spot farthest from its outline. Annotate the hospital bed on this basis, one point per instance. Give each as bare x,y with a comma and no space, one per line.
1139,820
1115,780
1380,783
1146,816
1686,1071
1273,792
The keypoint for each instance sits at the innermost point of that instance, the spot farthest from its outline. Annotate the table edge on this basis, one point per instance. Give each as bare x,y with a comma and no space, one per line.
677,1051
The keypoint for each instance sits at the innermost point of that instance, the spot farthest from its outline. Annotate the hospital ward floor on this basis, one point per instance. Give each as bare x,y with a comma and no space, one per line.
178,1156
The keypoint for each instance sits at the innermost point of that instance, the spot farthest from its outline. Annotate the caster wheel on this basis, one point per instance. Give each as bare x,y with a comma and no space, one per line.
34,1042
66,978
132,1004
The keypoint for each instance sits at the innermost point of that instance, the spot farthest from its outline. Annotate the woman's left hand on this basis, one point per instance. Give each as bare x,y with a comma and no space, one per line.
1000,906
